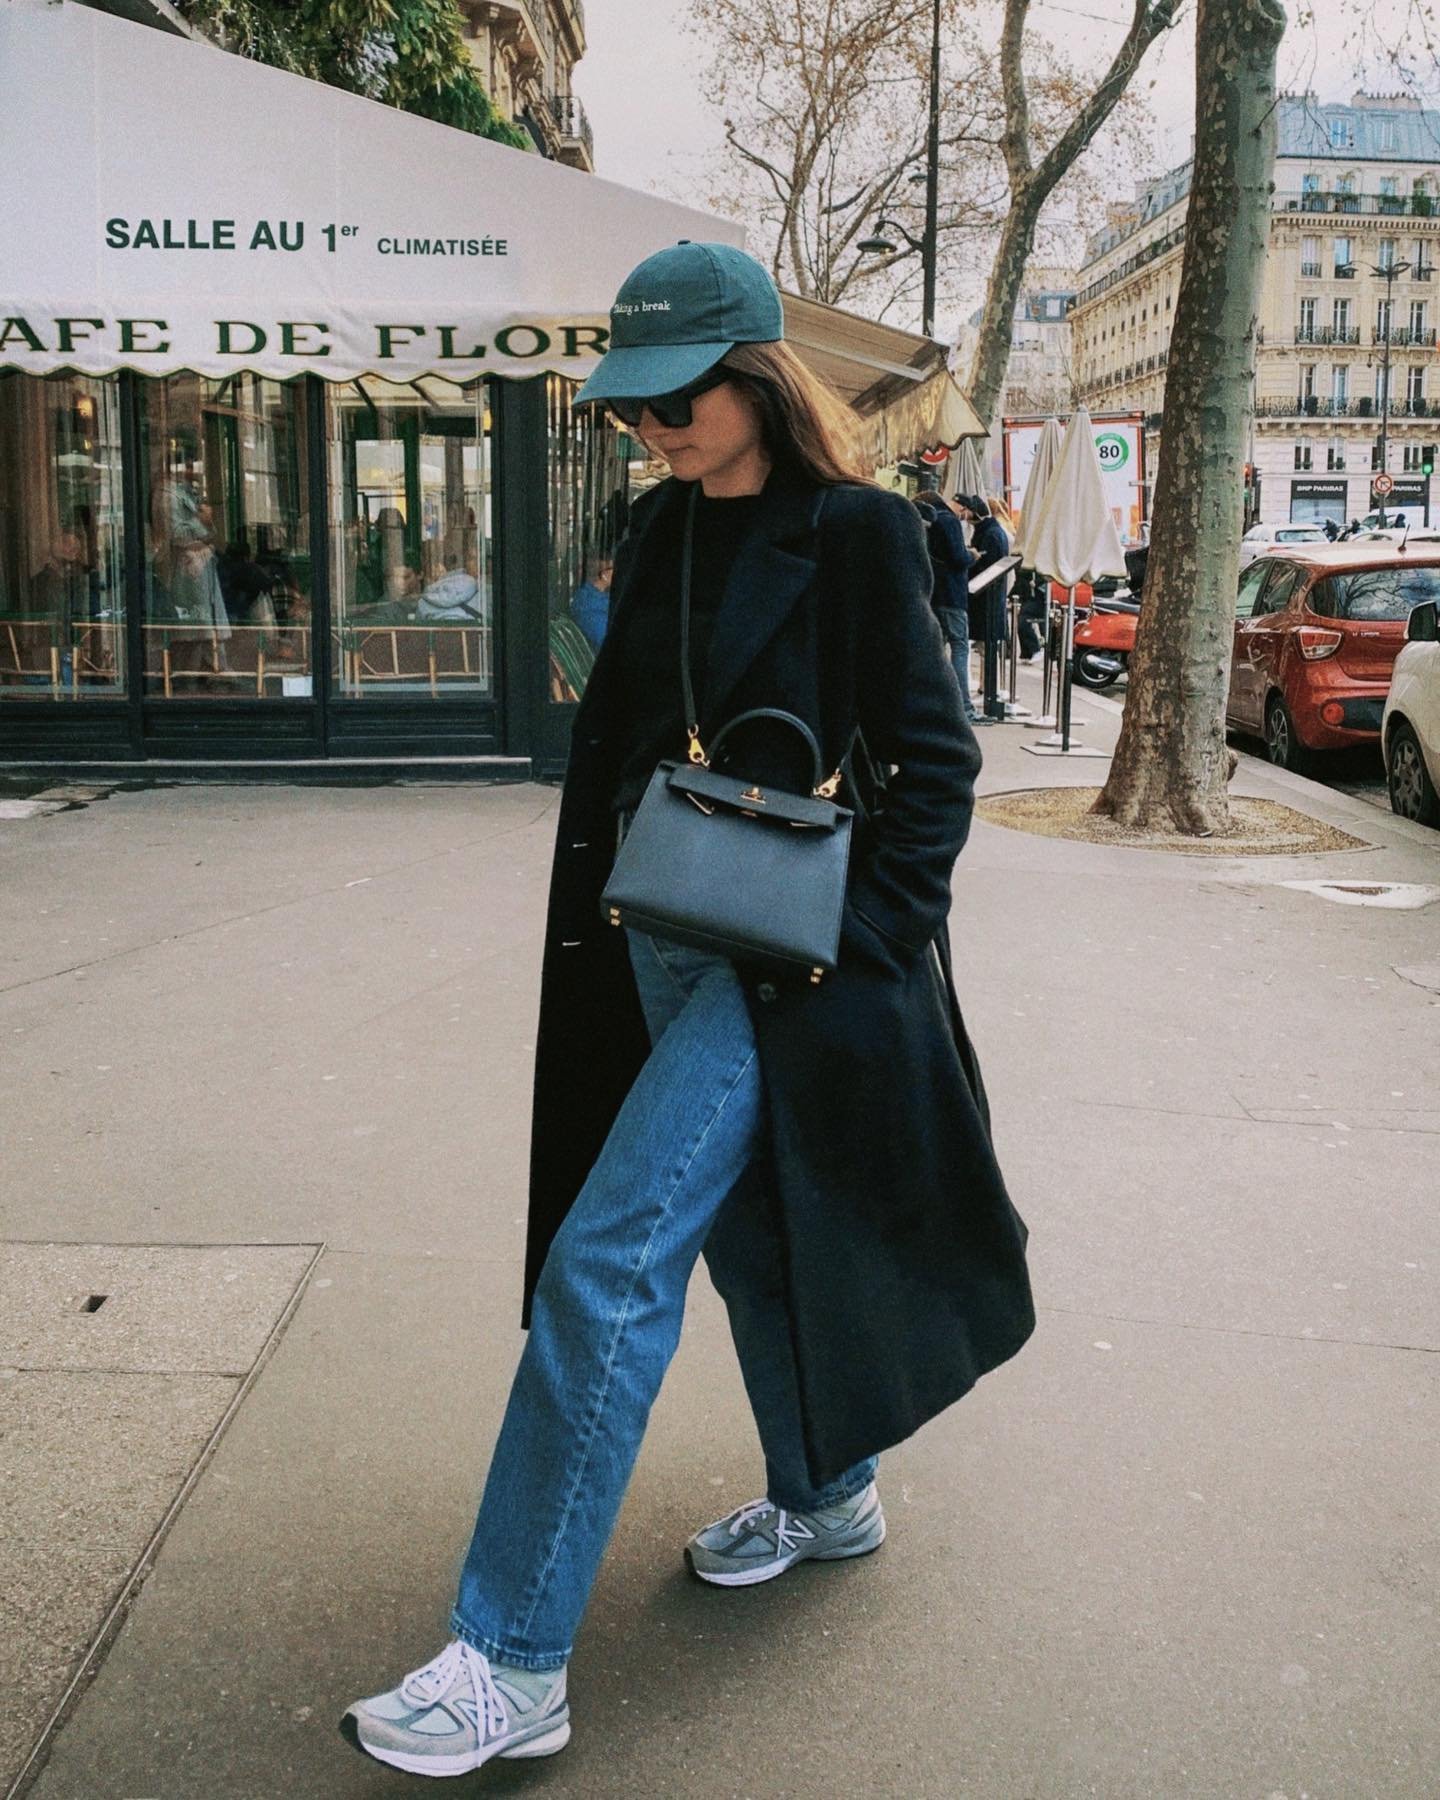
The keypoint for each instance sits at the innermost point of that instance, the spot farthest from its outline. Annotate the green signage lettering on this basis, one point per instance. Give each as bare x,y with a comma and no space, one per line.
388,339
596,337
505,338
290,344
130,343
19,330
227,345
447,345
65,328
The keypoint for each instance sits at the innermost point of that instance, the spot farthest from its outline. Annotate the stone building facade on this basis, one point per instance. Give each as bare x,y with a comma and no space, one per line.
525,52
1346,351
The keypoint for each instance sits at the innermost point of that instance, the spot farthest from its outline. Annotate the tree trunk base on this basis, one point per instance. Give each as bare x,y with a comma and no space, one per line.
1164,803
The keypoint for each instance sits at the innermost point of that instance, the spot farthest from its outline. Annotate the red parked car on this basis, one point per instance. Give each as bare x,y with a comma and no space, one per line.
1317,631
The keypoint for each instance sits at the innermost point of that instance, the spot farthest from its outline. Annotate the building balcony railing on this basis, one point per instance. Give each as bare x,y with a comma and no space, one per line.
1413,206
1311,271
1405,337
1150,253
572,122
1421,271
1324,406
1327,334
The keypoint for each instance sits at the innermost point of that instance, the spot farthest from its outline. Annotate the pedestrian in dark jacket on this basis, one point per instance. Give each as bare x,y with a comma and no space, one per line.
988,545
826,1147
950,561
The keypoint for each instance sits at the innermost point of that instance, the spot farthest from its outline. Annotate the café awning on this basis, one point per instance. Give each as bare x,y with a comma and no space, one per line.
171,206
176,207
897,382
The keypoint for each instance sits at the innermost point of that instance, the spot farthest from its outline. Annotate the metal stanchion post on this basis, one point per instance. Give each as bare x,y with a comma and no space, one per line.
1046,721
1059,738
1013,709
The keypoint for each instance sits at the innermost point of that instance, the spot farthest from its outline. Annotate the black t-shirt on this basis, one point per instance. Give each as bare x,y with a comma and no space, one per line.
652,699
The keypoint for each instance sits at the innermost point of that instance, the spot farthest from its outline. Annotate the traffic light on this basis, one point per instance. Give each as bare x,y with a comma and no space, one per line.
1427,459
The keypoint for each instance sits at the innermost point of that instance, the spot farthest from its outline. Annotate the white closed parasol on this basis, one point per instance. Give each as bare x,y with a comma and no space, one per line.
1042,471
1074,539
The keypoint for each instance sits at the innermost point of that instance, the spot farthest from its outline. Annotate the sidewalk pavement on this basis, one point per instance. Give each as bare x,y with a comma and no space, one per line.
1187,1544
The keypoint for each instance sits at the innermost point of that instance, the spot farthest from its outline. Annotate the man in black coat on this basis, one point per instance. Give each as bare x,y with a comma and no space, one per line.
988,545
950,561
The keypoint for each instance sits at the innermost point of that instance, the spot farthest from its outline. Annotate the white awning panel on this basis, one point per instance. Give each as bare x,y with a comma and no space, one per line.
170,206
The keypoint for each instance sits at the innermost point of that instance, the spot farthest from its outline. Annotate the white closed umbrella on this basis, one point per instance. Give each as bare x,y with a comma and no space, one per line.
969,475
1042,470
1074,539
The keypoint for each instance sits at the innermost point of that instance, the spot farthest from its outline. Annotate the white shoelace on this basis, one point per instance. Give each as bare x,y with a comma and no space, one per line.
425,1686
785,1539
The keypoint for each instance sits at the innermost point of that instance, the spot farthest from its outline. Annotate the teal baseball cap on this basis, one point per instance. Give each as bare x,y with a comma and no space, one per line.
677,314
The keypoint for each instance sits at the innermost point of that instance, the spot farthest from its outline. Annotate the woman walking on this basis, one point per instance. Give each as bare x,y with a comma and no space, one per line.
825,1146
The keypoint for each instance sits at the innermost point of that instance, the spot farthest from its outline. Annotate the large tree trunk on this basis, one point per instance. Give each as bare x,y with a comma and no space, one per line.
1171,766
997,322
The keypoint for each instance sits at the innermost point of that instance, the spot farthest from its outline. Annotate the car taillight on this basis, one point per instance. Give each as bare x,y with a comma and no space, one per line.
1316,643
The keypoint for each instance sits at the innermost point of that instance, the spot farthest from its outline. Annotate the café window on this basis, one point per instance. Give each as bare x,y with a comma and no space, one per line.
226,581
62,601
412,540
590,460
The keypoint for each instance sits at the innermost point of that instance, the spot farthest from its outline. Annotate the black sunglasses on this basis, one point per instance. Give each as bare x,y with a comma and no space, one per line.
673,411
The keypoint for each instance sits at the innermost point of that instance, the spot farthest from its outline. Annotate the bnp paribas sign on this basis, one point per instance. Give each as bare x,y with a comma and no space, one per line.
188,209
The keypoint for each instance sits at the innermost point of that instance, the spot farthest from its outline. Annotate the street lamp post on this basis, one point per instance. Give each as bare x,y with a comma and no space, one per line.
926,244
932,179
1389,273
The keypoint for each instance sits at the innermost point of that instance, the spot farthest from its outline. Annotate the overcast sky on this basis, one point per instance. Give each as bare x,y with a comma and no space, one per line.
640,81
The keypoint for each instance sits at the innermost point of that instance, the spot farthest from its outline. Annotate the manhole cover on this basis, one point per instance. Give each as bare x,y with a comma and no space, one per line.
1404,896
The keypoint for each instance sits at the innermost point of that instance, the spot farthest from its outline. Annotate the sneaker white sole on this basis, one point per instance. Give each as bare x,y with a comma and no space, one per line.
768,1571
466,1763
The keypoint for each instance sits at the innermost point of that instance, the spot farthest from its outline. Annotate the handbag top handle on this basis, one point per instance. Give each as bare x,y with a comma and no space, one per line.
826,788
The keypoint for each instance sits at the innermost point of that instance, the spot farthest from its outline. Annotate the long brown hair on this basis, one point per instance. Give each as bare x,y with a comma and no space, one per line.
805,422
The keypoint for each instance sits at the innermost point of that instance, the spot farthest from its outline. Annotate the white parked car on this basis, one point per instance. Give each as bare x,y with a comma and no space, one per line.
1413,516
1410,728
1260,538
1398,534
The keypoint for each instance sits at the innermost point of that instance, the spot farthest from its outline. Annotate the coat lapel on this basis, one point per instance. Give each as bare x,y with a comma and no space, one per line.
772,568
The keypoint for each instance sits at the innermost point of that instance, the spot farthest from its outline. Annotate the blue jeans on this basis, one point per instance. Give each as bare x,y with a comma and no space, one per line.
607,1311
955,623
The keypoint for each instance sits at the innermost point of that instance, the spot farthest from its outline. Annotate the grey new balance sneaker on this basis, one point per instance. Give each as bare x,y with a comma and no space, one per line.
458,1711
759,1541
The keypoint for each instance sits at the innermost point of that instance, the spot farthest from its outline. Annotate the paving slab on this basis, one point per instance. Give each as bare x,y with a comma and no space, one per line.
118,1365
164,1309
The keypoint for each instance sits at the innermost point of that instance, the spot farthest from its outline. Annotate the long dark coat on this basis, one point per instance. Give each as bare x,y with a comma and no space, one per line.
899,1253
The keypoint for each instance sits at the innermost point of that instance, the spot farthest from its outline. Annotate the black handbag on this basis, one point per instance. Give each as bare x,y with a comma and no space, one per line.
721,864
